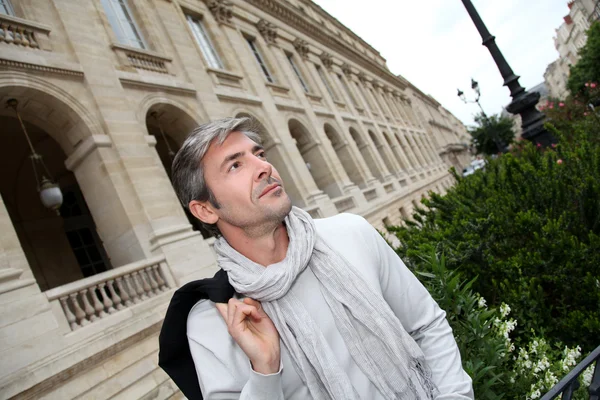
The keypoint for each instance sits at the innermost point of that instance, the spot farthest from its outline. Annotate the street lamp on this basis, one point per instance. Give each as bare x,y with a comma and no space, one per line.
475,86
523,102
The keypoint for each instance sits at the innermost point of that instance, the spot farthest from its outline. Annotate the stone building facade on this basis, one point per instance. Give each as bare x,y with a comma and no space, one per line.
570,37
107,90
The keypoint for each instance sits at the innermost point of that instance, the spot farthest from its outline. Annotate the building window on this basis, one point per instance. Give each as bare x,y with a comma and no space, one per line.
260,60
347,90
121,20
326,82
206,47
290,58
6,8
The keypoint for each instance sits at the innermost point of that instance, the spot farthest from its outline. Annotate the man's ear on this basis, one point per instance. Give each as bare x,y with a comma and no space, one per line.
204,211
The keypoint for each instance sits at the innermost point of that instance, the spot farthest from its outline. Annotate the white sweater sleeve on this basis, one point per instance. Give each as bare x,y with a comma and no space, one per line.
223,370
424,321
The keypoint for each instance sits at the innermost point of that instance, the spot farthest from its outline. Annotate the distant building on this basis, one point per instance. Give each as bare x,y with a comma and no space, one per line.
570,37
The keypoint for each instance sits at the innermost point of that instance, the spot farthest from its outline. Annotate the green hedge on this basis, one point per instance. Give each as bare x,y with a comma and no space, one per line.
529,228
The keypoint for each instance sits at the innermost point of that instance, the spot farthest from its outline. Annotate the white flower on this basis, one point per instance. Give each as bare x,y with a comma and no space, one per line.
586,376
542,365
481,303
535,394
550,379
570,357
504,310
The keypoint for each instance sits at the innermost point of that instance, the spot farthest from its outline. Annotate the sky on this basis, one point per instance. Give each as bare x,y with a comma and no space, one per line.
435,45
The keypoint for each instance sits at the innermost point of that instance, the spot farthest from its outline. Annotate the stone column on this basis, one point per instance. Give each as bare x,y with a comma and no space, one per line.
417,150
395,144
409,151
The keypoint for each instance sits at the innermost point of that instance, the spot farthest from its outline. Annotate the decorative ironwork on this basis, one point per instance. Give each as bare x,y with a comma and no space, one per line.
570,383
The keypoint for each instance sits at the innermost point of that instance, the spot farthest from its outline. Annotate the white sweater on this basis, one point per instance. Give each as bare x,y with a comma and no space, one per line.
224,371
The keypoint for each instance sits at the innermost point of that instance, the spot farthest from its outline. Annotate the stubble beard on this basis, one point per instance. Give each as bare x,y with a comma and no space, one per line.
268,218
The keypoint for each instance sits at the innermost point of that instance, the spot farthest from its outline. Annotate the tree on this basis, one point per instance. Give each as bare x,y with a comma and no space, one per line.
492,134
587,69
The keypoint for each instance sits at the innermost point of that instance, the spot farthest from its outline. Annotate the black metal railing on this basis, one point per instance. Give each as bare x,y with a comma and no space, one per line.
569,384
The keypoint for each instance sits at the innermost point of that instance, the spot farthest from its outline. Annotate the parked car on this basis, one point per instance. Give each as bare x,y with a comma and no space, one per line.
478,164
468,170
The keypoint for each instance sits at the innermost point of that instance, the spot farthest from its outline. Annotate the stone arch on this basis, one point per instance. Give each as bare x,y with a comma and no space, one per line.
276,156
366,152
268,140
381,149
170,125
314,157
342,150
49,107
59,248
175,119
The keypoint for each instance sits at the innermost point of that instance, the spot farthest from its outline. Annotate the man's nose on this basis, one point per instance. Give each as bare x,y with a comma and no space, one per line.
264,170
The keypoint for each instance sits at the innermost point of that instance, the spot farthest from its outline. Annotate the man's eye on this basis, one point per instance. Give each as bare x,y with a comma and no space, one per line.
234,166
262,155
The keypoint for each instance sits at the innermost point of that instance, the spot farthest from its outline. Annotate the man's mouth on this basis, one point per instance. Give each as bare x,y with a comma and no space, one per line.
269,189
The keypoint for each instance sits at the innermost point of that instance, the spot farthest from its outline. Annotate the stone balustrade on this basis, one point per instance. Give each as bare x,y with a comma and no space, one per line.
91,299
135,58
23,33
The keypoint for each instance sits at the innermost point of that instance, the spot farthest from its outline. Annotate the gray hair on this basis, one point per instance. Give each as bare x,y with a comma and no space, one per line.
187,172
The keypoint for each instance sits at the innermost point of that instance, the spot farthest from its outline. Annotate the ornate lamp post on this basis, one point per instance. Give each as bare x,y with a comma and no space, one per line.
475,86
523,102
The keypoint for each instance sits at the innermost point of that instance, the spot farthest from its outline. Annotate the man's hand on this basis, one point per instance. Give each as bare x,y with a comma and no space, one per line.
254,332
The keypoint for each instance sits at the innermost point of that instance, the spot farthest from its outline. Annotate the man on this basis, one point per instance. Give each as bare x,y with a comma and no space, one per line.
323,309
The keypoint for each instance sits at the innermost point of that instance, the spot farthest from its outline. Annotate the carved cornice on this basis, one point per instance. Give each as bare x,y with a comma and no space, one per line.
326,59
222,10
38,67
268,31
293,19
301,47
362,77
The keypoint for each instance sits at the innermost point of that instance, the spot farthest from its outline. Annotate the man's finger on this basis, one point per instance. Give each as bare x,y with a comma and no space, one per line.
257,304
222,308
231,306
243,311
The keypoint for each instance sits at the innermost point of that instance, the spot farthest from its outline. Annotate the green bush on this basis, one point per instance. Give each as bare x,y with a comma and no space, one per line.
529,228
499,369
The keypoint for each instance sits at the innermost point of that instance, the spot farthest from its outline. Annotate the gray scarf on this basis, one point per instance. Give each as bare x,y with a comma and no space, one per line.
374,336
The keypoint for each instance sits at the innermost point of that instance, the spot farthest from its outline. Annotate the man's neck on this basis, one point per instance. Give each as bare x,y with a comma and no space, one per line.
265,249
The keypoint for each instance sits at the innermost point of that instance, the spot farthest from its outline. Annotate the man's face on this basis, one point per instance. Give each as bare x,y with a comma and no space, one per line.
248,189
